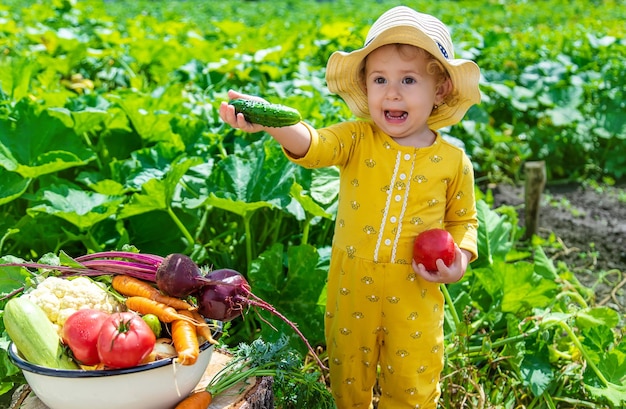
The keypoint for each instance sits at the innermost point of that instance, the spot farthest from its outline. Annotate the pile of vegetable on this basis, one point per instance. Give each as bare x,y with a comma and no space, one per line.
76,322
119,309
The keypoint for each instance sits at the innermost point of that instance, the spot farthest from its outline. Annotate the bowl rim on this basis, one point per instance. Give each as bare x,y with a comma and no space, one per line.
24,365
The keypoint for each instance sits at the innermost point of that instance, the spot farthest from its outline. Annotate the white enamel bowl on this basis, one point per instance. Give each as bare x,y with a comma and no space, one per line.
156,385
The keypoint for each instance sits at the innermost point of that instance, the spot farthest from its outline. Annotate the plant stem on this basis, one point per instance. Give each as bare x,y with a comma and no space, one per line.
89,242
582,350
7,234
576,296
446,296
499,343
181,227
248,232
548,399
203,219
306,228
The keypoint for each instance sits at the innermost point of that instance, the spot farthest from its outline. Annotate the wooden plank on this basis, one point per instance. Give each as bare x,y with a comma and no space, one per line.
535,183
231,398
253,394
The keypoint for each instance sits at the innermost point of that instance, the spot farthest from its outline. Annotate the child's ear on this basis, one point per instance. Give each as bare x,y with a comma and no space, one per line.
443,90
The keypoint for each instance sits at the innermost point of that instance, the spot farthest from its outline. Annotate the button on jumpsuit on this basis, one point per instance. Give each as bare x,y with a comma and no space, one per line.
379,313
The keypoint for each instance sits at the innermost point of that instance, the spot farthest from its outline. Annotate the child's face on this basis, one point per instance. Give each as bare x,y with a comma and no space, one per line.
401,93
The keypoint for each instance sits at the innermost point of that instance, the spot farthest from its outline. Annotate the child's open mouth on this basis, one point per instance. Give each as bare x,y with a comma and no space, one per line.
396,115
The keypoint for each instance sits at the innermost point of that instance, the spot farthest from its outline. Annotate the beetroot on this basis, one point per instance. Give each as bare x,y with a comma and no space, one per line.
226,296
179,276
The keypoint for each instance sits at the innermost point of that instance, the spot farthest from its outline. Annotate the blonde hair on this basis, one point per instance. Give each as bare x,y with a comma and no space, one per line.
433,67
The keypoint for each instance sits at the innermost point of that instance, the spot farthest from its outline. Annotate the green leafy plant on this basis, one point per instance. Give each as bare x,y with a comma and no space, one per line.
294,385
529,328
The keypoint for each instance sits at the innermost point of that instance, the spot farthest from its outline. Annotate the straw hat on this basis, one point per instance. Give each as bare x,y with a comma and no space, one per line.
406,26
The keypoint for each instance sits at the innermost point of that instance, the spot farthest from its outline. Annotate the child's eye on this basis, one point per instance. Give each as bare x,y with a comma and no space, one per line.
379,80
409,80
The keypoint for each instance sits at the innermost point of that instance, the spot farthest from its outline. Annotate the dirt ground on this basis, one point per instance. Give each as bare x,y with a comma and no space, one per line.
590,223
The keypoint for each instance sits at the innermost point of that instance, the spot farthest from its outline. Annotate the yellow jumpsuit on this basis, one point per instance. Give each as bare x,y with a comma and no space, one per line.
379,313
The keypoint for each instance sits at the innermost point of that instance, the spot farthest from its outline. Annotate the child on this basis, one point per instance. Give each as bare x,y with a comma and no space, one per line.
398,178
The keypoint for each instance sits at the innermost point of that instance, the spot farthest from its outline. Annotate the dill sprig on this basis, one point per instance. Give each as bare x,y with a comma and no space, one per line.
293,383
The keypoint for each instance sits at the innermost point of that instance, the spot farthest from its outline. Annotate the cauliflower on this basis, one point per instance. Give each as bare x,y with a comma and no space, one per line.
60,298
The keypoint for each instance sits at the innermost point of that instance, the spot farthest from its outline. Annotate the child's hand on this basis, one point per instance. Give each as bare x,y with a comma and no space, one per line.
446,274
295,139
227,113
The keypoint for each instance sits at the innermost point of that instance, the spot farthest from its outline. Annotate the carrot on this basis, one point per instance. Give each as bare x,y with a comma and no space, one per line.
185,340
203,330
197,400
164,312
133,287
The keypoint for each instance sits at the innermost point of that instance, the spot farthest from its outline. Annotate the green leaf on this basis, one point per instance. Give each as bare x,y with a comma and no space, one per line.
487,288
12,186
536,371
564,99
597,316
597,340
307,202
40,143
523,289
144,164
15,75
266,273
615,394
543,265
88,119
258,176
12,278
81,208
152,125
325,185
613,364
293,293
237,207
104,186
158,194
523,98
153,196
494,232
563,116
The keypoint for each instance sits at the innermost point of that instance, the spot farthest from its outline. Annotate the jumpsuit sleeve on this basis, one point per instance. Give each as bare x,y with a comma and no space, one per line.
330,146
461,216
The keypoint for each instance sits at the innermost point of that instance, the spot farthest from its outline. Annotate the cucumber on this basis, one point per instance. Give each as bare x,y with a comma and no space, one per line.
34,335
262,113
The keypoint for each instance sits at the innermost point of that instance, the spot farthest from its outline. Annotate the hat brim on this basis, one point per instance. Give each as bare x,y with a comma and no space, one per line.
342,75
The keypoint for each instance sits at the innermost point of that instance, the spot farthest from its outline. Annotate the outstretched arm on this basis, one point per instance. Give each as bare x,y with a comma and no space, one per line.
295,138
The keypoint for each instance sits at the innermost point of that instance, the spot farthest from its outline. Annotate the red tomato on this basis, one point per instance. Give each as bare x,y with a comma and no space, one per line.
80,333
125,340
431,245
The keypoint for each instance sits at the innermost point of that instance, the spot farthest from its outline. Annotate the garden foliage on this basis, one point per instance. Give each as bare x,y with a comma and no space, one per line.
109,136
